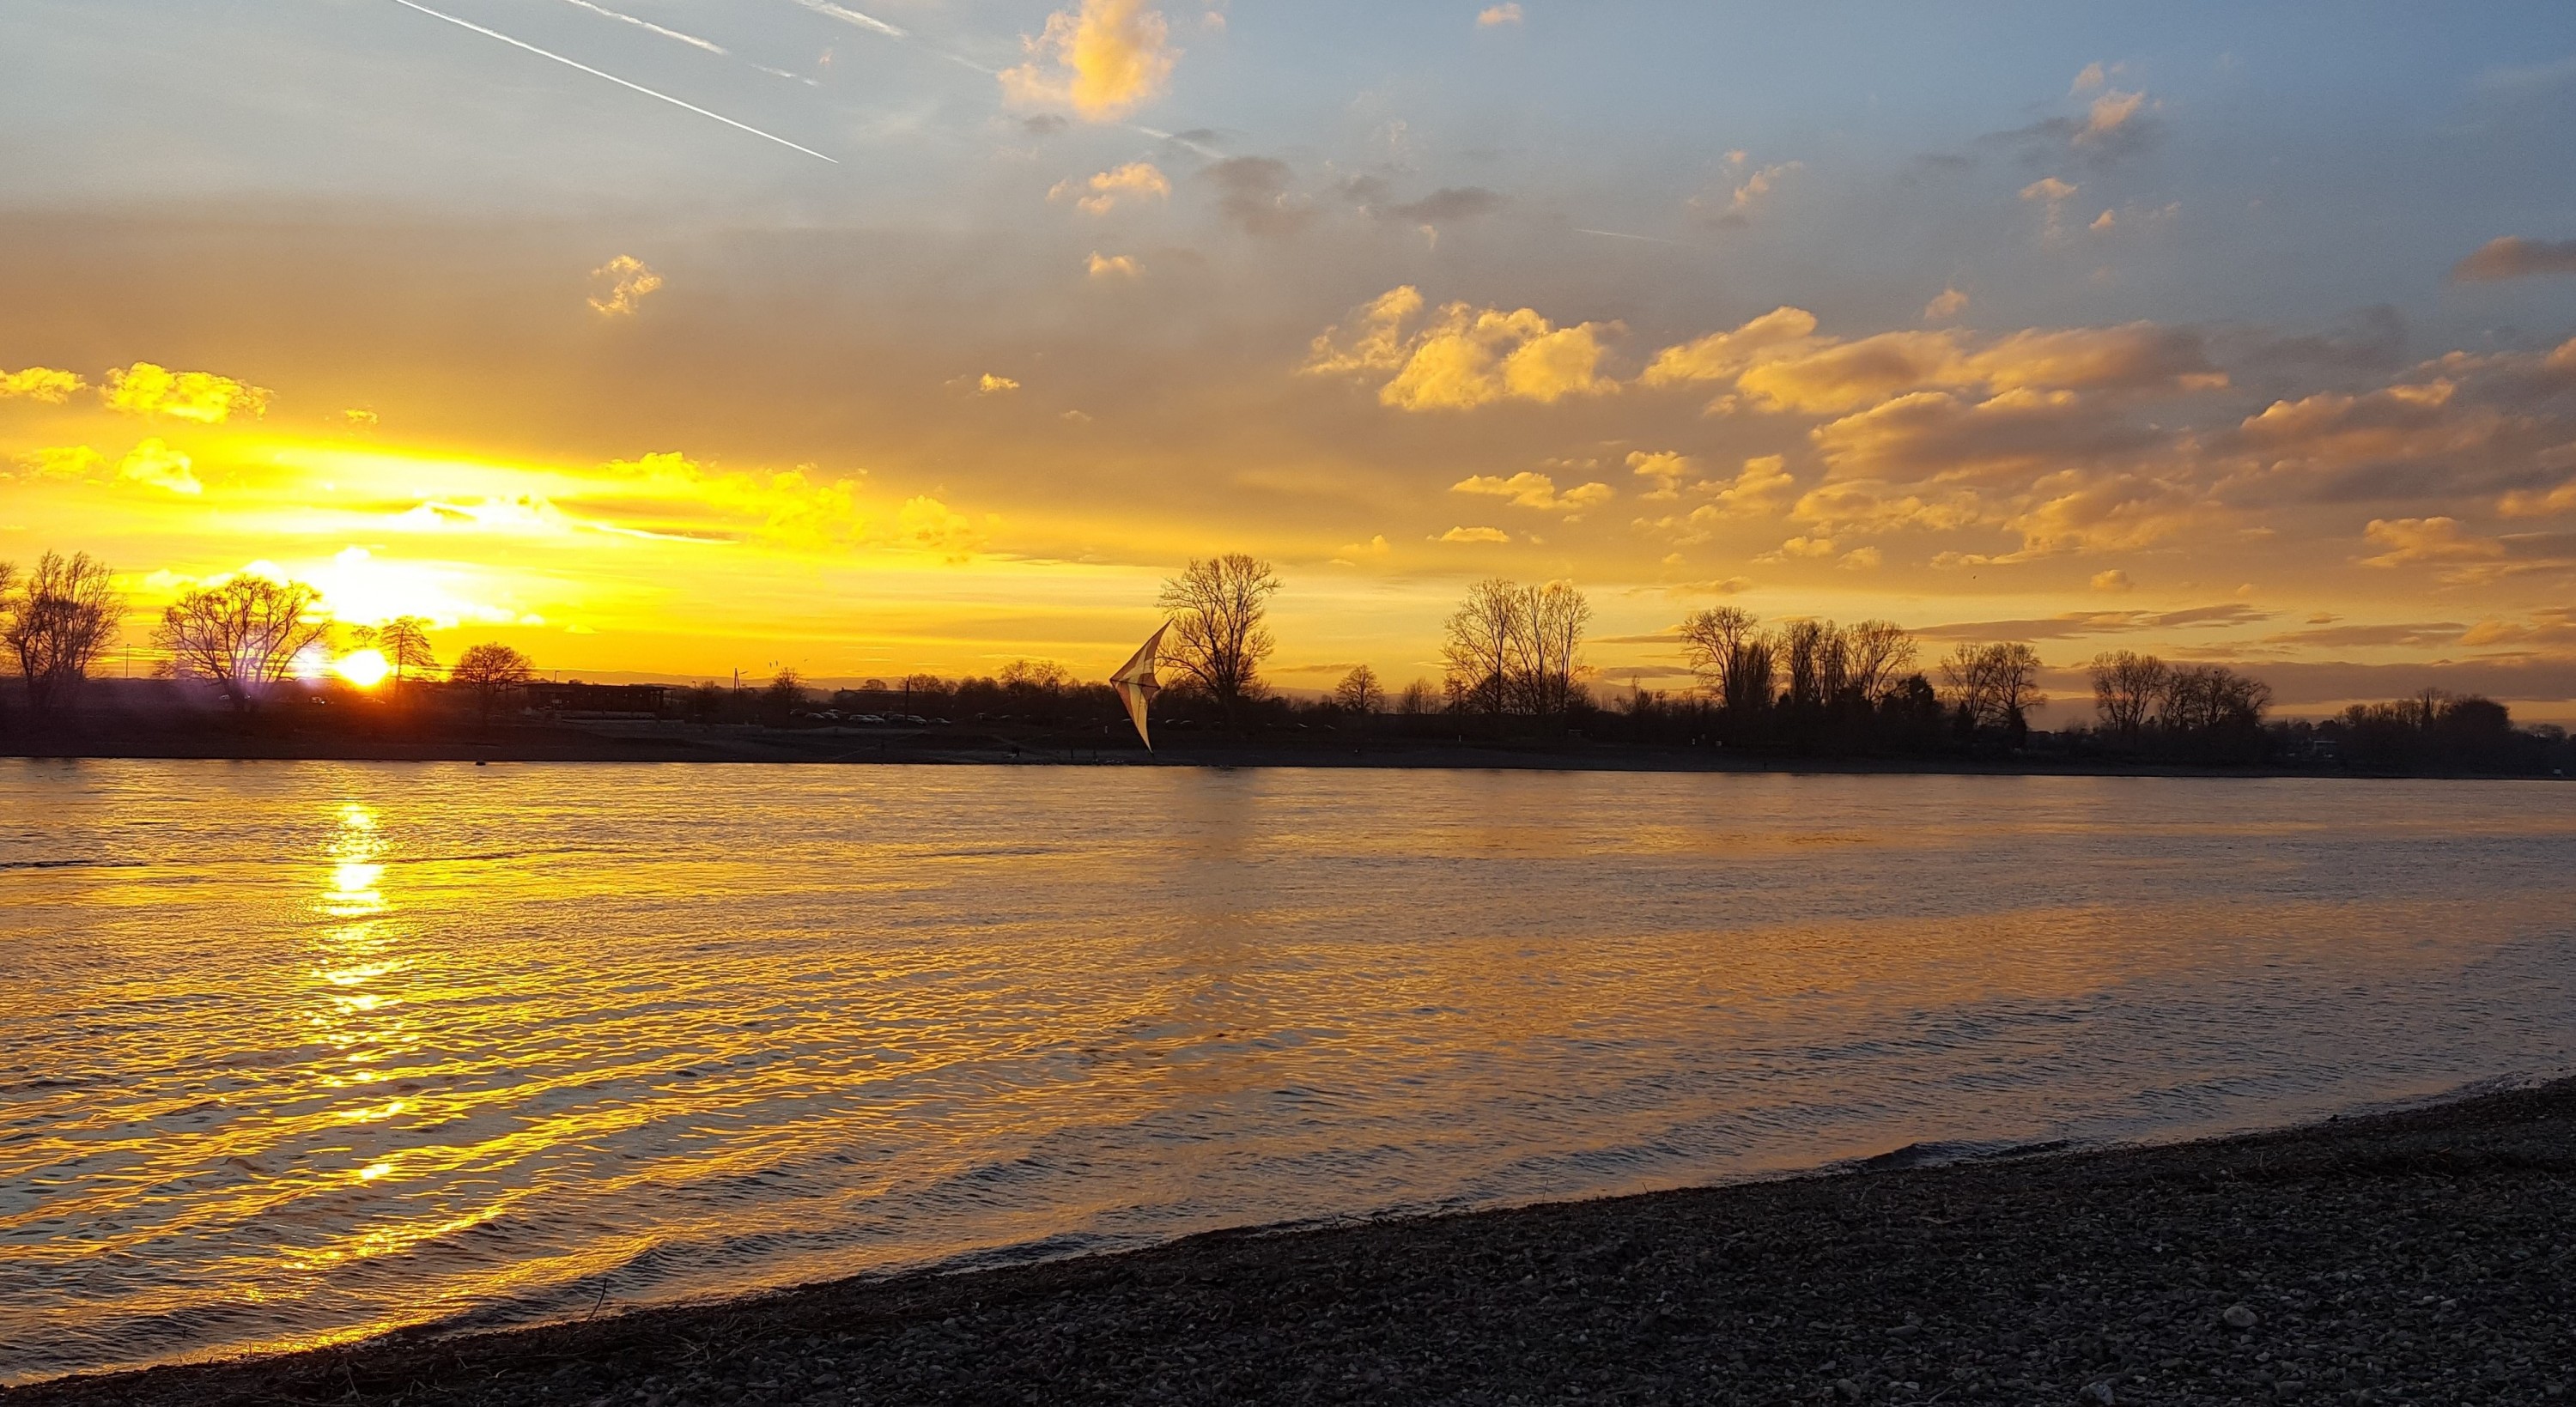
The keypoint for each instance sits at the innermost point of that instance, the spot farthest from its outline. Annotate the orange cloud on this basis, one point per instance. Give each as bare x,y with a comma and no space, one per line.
201,396
1136,180
1532,490
628,281
1104,61
2438,539
41,383
1464,356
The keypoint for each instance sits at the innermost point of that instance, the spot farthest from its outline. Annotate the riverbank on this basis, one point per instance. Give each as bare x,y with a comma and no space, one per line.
2422,1256
965,746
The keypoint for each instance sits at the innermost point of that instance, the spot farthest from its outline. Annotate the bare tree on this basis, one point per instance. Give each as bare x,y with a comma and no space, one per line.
242,636
1819,662
491,671
57,623
1360,692
1218,641
2127,687
1482,637
1554,618
404,642
1995,686
2210,698
1880,653
1733,658
1417,699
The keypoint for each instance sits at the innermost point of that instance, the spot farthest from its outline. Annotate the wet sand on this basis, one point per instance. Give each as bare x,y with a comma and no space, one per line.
2423,1256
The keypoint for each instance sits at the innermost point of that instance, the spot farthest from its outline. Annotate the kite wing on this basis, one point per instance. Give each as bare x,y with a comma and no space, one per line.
1136,684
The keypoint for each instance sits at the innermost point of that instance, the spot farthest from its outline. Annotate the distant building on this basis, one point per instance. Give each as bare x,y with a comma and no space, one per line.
599,700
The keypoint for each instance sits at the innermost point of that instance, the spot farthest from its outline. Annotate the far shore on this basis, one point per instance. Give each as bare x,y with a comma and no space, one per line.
2417,1256
981,747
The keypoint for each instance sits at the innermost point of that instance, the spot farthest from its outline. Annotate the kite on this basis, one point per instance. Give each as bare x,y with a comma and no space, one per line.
1136,684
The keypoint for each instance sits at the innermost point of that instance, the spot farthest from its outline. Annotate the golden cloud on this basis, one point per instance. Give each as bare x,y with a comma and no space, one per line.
155,463
928,525
1721,355
1474,535
1666,468
40,383
1134,181
1949,302
1464,356
2332,430
628,280
1104,61
1112,265
63,462
2438,539
201,396
1532,490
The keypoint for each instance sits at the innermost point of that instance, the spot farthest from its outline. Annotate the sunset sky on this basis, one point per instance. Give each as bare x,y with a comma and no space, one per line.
681,336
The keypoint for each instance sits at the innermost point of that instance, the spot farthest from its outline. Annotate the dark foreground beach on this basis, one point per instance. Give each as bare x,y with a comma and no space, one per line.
2425,1256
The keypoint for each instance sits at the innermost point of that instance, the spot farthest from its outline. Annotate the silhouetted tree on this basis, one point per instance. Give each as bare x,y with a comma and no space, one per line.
784,694
2127,688
56,623
1478,645
241,636
1217,639
1360,692
1877,655
1554,618
490,671
1995,686
404,642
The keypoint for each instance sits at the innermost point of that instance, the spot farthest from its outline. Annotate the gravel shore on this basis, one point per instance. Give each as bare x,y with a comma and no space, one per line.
2427,1256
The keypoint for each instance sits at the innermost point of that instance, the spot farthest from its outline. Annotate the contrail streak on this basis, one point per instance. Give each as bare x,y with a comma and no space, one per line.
613,78
848,16
690,39
1649,239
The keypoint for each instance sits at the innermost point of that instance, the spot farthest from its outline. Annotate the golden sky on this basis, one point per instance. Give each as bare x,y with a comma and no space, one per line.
677,338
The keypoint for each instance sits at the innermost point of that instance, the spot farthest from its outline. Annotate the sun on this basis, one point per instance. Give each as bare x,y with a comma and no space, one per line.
364,668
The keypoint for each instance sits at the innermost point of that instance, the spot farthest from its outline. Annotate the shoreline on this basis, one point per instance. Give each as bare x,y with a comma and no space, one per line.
816,748
2425,1253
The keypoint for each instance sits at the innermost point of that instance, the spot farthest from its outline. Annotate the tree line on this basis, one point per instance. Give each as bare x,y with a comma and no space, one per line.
1511,658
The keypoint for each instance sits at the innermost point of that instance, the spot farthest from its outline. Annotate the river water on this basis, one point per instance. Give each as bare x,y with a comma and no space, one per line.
291,1053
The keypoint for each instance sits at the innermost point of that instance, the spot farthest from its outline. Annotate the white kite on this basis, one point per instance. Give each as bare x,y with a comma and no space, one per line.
1136,684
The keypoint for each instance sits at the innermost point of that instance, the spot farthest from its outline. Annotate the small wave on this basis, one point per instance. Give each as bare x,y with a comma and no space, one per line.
71,864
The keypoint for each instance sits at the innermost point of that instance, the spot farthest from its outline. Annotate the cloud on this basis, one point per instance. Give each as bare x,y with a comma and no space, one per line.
1532,490
2113,580
1721,355
155,463
2515,257
1134,181
1779,364
1463,357
2334,430
2109,113
1112,265
201,396
1665,467
1104,61
989,384
2527,504
41,383
1447,205
63,462
1493,15
1948,303
2088,78
1761,488
2072,624
1861,559
2051,194
1253,194
1474,535
929,525
2438,539
627,282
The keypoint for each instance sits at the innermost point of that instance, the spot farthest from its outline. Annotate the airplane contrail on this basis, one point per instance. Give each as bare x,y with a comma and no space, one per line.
1649,239
690,39
613,78
849,16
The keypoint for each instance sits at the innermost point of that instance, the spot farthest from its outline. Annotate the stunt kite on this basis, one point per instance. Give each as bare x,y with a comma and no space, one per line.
1136,684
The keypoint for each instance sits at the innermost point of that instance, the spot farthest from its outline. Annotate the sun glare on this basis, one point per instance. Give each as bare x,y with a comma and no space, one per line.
364,668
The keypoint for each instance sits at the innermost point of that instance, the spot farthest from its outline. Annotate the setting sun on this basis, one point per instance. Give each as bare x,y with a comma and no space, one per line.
364,668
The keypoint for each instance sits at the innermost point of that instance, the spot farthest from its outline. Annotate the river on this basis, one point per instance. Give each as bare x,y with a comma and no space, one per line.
297,1052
